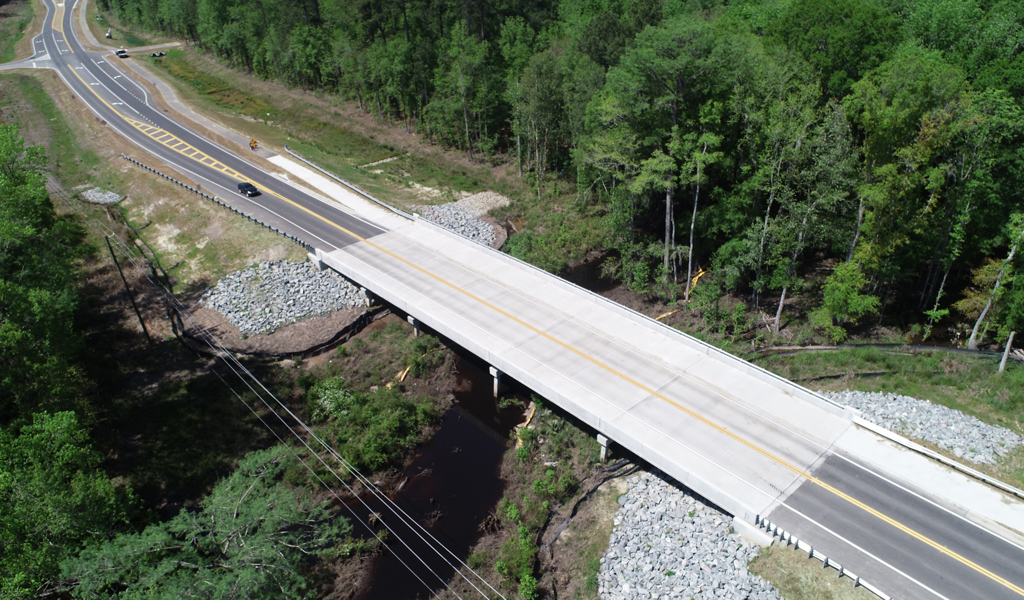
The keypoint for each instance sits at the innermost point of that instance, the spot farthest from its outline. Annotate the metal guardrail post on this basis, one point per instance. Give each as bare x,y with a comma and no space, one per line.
216,200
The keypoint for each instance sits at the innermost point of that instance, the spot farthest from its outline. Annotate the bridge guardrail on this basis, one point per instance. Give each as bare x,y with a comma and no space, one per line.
351,186
220,202
788,539
744,366
911,445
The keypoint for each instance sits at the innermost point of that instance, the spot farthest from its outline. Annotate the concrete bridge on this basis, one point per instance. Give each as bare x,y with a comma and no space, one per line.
763,448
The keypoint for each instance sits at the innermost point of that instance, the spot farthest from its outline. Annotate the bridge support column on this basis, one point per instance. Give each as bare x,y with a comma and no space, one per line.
367,294
415,325
496,374
604,446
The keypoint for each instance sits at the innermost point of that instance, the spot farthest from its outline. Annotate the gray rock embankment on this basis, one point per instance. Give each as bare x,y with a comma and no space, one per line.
462,217
964,436
270,295
668,544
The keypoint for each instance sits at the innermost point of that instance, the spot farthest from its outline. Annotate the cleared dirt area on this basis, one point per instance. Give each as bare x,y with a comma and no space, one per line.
296,338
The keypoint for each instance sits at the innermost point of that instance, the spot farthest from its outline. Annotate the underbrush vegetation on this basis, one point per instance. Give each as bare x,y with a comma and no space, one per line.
364,402
370,429
800,578
542,470
14,18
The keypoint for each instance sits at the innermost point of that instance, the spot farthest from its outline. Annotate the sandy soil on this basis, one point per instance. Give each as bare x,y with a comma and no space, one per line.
292,339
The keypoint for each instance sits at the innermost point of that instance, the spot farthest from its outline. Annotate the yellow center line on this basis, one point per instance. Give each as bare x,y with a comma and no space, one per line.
58,19
604,366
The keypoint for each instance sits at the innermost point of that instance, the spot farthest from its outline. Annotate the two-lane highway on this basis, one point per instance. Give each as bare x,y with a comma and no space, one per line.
123,104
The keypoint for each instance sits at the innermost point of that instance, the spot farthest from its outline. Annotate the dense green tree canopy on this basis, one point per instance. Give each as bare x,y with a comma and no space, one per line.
250,539
698,126
55,496
38,300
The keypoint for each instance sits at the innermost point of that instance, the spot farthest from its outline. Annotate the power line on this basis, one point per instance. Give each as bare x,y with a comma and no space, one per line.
228,358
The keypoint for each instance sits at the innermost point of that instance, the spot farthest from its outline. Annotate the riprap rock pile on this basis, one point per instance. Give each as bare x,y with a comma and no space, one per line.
667,544
965,436
273,294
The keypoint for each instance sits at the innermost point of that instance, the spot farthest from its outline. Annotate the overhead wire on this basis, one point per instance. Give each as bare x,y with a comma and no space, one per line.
318,478
227,357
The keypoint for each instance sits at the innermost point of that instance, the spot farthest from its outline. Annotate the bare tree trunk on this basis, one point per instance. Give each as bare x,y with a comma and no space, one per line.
938,296
856,232
693,223
689,251
778,312
972,343
519,153
1006,352
668,227
465,111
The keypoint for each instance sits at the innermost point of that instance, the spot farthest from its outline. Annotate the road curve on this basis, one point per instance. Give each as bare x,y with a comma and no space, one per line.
125,106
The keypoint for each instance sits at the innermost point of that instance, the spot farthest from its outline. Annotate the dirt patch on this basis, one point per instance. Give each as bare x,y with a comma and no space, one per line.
292,339
573,561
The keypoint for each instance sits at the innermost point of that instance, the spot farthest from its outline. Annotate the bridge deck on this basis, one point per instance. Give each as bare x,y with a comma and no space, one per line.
704,417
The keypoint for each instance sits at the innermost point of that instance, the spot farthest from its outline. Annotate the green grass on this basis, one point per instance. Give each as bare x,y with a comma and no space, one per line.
99,23
317,133
217,92
559,230
800,578
967,383
72,163
14,18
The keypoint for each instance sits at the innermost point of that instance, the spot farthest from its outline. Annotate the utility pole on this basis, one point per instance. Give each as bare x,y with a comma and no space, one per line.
127,289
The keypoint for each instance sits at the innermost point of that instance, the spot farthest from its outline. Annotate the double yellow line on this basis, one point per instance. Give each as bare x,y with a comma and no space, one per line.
173,143
58,20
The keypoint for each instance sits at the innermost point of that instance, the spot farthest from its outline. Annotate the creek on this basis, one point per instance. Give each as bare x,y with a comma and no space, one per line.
450,487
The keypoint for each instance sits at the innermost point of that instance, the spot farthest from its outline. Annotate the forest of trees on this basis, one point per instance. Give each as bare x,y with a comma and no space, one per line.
754,137
65,527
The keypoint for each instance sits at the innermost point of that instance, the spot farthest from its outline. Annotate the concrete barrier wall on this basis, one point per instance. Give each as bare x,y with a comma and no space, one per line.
743,366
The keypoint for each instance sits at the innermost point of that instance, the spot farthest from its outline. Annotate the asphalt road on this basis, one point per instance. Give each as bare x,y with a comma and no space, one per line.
911,568
125,106
903,543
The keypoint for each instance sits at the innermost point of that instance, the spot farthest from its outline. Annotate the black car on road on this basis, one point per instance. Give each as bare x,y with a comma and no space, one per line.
247,189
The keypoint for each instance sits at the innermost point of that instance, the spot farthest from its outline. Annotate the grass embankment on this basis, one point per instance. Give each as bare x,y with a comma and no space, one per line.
15,17
120,36
800,578
316,128
968,383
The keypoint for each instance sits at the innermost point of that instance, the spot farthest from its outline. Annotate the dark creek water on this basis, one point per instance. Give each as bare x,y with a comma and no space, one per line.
450,488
